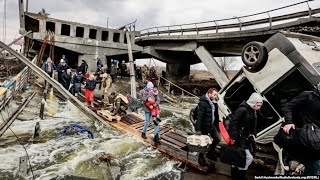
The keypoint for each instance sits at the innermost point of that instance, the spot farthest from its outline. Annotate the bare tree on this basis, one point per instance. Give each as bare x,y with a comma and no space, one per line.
225,63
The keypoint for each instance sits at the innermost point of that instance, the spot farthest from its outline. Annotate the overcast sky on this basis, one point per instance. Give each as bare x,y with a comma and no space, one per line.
148,13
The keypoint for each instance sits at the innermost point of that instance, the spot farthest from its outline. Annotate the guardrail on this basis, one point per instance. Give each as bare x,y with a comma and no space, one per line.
217,25
172,84
14,85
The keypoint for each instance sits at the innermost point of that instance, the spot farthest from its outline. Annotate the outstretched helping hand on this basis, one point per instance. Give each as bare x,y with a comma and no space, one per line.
287,128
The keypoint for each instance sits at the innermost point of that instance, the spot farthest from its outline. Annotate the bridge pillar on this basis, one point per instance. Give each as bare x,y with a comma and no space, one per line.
178,72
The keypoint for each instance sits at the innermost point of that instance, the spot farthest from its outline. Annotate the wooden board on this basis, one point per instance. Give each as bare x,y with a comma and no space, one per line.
105,114
178,143
164,130
177,137
171,144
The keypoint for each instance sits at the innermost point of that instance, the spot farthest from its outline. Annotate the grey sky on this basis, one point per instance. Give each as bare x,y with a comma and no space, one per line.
147,12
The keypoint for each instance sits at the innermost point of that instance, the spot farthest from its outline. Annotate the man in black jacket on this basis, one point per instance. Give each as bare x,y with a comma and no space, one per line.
307,107
208,121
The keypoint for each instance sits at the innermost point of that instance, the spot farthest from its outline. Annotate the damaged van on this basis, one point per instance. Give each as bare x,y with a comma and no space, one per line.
278,69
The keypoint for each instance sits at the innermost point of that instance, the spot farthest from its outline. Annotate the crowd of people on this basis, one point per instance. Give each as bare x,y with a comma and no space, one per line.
102,77
242,127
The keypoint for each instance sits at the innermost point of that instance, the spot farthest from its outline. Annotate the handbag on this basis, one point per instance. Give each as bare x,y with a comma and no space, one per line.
233,155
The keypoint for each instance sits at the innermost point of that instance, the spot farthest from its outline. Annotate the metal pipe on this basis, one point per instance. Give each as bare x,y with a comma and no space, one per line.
17,39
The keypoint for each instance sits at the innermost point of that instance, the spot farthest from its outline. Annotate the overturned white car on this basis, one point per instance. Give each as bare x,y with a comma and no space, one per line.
279,69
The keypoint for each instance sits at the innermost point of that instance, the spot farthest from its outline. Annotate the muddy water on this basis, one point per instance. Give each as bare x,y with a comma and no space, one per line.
75,154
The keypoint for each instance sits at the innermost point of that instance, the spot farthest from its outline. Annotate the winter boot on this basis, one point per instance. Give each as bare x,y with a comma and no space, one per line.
242,175
202,160
156,138
143,135
234,172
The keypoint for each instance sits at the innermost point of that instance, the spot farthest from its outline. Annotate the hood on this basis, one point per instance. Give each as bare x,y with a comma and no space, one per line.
150,85
244,104
205,98
253,99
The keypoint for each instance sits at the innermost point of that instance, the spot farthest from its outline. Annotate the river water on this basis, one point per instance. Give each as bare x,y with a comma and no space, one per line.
74,154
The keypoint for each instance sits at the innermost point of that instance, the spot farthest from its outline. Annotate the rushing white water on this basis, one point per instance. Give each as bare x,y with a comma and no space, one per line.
75,154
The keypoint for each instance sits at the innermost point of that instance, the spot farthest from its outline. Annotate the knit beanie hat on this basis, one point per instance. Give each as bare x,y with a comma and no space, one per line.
149,85
253,99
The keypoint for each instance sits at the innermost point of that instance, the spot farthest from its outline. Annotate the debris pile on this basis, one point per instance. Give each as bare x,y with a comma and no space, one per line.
9,66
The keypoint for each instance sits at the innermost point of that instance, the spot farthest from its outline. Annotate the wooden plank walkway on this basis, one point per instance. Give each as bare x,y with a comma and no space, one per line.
172,143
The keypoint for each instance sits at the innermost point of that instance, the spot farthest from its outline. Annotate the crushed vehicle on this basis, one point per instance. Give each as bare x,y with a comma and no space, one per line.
278,69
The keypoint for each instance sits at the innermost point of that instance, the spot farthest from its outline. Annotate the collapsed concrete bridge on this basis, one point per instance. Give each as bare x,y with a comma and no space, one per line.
177,45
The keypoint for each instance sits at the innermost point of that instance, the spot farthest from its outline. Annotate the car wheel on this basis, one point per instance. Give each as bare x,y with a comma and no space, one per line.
254,55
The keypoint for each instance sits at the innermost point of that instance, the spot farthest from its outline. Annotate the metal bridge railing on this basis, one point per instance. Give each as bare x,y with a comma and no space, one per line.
216,25
173,84
16,84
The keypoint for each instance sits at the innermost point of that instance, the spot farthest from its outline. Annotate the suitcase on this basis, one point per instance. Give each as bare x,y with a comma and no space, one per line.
233,155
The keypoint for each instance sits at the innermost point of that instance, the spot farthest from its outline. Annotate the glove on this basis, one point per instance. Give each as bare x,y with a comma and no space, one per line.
198,133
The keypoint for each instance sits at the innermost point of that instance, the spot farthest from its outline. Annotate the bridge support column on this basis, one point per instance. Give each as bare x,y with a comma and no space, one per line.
178,72
212,66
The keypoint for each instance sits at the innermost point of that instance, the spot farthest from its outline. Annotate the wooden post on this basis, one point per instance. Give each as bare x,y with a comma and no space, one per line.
42,108
132,70
44,99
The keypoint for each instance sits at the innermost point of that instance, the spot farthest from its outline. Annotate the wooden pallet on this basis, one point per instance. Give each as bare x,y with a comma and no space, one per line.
107,115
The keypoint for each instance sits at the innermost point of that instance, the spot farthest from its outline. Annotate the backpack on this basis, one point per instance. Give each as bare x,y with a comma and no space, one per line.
310,136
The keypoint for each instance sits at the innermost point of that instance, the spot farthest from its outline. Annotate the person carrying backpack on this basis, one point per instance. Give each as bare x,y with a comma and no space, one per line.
77,80
303,110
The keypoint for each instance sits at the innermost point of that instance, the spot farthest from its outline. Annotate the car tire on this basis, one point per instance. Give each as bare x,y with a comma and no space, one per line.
254,55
